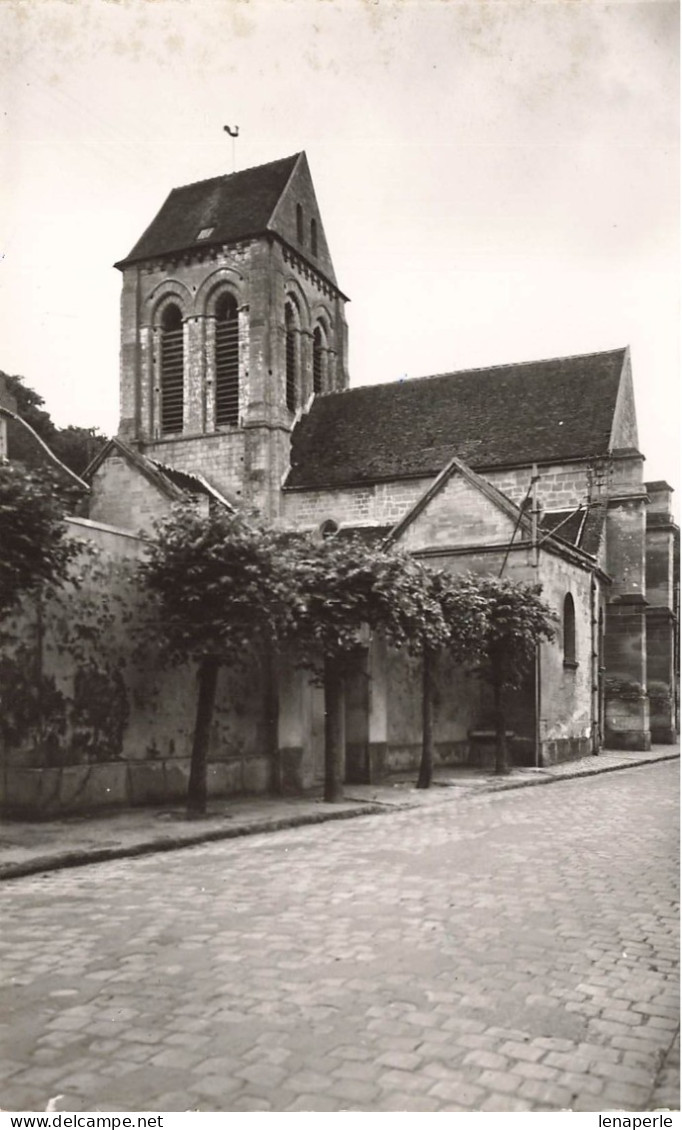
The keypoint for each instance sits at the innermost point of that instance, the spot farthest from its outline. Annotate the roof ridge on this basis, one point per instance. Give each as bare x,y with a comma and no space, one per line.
478,369
519,364
236,173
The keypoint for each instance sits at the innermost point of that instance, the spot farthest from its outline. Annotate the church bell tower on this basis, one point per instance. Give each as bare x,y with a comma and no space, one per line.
231,319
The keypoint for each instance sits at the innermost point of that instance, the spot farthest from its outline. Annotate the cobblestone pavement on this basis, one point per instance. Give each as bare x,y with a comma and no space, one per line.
514,952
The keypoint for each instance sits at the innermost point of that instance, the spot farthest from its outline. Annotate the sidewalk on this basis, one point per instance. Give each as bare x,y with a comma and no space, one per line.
31,848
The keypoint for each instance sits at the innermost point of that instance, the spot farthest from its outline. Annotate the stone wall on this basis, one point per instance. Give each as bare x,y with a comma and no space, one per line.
87,723
378,504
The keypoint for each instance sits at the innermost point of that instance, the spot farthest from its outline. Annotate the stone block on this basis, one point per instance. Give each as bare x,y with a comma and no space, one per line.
104,785
221,778
31,792
147,782
73,786
292,769
177,779
256,775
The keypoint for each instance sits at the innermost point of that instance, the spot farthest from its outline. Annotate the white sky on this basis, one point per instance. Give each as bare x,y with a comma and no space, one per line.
498,180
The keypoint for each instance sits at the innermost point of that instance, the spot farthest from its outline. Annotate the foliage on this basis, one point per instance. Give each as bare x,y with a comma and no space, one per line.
29,407
82,632
32,708
465,607
516,621
342,585
75,446
660,694
35,546
627,690
223,585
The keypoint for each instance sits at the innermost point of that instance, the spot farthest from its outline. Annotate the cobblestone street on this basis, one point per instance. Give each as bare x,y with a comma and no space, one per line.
511,951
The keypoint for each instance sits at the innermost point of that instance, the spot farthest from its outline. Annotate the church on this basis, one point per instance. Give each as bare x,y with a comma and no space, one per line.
235,390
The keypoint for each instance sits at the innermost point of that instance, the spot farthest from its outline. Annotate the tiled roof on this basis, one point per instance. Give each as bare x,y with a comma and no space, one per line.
175,484
581,528
508,415
233,207
190,483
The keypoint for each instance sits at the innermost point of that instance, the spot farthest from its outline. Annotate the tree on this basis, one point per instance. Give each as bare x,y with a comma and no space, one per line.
34,545
517,621
224,590
75,446
344,587
464,610
30,407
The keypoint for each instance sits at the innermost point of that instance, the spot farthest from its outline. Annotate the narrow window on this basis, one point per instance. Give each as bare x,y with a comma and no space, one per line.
313,236
291,349
226,362
318,359
569,631
172,371
299,223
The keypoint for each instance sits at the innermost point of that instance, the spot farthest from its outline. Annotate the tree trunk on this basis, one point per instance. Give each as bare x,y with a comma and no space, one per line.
501,759
426,764
272,720
334,705
208,678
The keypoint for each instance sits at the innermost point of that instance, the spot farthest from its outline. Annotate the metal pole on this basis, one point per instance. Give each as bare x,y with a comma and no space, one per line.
535,542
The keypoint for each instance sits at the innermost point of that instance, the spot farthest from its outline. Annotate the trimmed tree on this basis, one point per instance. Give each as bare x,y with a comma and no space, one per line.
464,609
34,547
224,588
343,588
517,622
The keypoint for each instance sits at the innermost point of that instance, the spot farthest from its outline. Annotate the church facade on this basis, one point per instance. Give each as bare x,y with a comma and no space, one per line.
235,389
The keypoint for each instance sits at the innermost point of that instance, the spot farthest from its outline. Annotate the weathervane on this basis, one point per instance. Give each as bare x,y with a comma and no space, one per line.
233,132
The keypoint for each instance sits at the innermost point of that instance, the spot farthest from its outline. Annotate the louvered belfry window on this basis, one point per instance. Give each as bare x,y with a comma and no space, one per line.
226,362
290,326
317,360
172,371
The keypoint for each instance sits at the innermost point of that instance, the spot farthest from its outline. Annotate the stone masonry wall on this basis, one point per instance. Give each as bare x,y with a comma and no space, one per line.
376,504
101,726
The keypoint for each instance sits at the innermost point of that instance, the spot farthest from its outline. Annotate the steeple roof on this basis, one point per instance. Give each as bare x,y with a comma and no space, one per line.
229,208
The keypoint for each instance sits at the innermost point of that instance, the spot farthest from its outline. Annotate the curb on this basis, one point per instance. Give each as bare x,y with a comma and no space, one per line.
572,776
82,858
149,847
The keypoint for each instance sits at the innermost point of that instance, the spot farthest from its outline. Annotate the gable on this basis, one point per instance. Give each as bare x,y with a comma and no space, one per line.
122,495
624,429
459,511
299,193
549,411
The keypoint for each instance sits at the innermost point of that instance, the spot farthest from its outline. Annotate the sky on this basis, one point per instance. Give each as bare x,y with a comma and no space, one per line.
498,180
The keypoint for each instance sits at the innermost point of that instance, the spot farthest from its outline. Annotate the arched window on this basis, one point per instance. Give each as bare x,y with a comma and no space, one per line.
292,347
299,224
172,371
313,236
226,362
569,631
318,360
